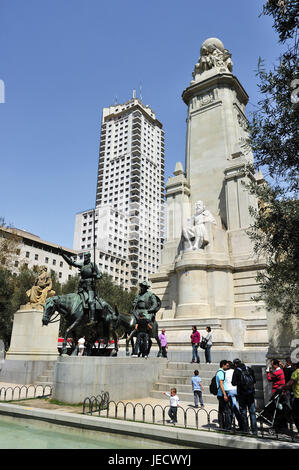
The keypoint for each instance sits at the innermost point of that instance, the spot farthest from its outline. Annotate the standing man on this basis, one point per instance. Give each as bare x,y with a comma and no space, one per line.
224,411
275,375
142,327
293,384
89,272
243,377
146,302
81,346
163,341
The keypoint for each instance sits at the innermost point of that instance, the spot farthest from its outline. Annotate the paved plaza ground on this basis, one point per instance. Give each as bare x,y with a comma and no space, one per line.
26,394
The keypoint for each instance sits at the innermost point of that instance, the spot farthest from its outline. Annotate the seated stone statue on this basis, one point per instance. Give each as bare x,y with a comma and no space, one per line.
42,288
195,235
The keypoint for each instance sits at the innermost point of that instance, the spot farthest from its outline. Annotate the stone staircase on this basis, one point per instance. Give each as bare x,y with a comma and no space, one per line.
178,374
47,377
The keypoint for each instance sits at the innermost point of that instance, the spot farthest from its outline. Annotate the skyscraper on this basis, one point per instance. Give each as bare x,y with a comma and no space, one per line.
127,222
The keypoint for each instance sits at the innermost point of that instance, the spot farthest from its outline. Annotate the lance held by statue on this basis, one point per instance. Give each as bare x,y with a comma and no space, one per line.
89,273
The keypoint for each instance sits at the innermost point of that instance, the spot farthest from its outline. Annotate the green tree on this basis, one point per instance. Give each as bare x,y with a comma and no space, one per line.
115,295
6,308
274,133
9,245
71,285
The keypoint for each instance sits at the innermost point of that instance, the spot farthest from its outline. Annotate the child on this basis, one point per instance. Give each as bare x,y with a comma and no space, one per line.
174,403
197,389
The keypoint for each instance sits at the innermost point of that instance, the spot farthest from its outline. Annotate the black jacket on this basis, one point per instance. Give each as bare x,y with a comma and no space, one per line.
142,326
236,380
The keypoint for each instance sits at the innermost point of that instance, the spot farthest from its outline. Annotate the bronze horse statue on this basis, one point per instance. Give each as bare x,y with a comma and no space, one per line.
110,323
71,306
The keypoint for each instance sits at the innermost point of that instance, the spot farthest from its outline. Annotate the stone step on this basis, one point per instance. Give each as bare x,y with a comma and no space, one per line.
188,397
44,384
46,378
192,366
182,380
166,387
188,373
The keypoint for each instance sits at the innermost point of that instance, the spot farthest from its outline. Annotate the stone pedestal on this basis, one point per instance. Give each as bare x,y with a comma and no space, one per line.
32,346
283,336
78,377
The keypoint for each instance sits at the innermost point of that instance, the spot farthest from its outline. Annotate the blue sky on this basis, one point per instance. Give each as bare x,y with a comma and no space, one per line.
62,61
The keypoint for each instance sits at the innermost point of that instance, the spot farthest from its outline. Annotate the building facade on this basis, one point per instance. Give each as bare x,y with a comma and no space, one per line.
31,250
125,230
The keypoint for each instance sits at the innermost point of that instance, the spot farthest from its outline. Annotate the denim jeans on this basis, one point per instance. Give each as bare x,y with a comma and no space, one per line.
195,352
141,344
164,351
224,413
247,402
208,354
172,413
197,397
232,396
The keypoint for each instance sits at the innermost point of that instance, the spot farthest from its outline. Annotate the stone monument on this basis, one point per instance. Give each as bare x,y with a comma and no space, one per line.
32,347
208,267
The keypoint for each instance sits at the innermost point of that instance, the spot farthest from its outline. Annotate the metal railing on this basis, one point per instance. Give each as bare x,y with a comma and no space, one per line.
24,392
189,418
96,404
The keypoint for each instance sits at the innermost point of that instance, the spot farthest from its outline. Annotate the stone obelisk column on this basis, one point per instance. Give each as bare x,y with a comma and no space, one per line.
207,275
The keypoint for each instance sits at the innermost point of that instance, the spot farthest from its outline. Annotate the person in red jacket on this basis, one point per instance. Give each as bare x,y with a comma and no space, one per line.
275,375
195,340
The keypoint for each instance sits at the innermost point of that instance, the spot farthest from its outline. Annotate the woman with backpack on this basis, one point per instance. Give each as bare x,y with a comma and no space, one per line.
208,340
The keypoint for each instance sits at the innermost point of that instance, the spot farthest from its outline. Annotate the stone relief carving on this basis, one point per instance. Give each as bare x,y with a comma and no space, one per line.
213,55
242,121
195,235
203,100
245,145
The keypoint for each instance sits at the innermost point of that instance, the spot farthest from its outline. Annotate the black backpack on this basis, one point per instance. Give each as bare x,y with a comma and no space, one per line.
213,384
246,380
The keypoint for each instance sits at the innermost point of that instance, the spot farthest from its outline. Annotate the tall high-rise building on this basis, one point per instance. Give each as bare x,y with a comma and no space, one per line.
125,230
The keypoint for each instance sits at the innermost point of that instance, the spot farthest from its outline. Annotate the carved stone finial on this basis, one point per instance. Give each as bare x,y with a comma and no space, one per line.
179,170
213,55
